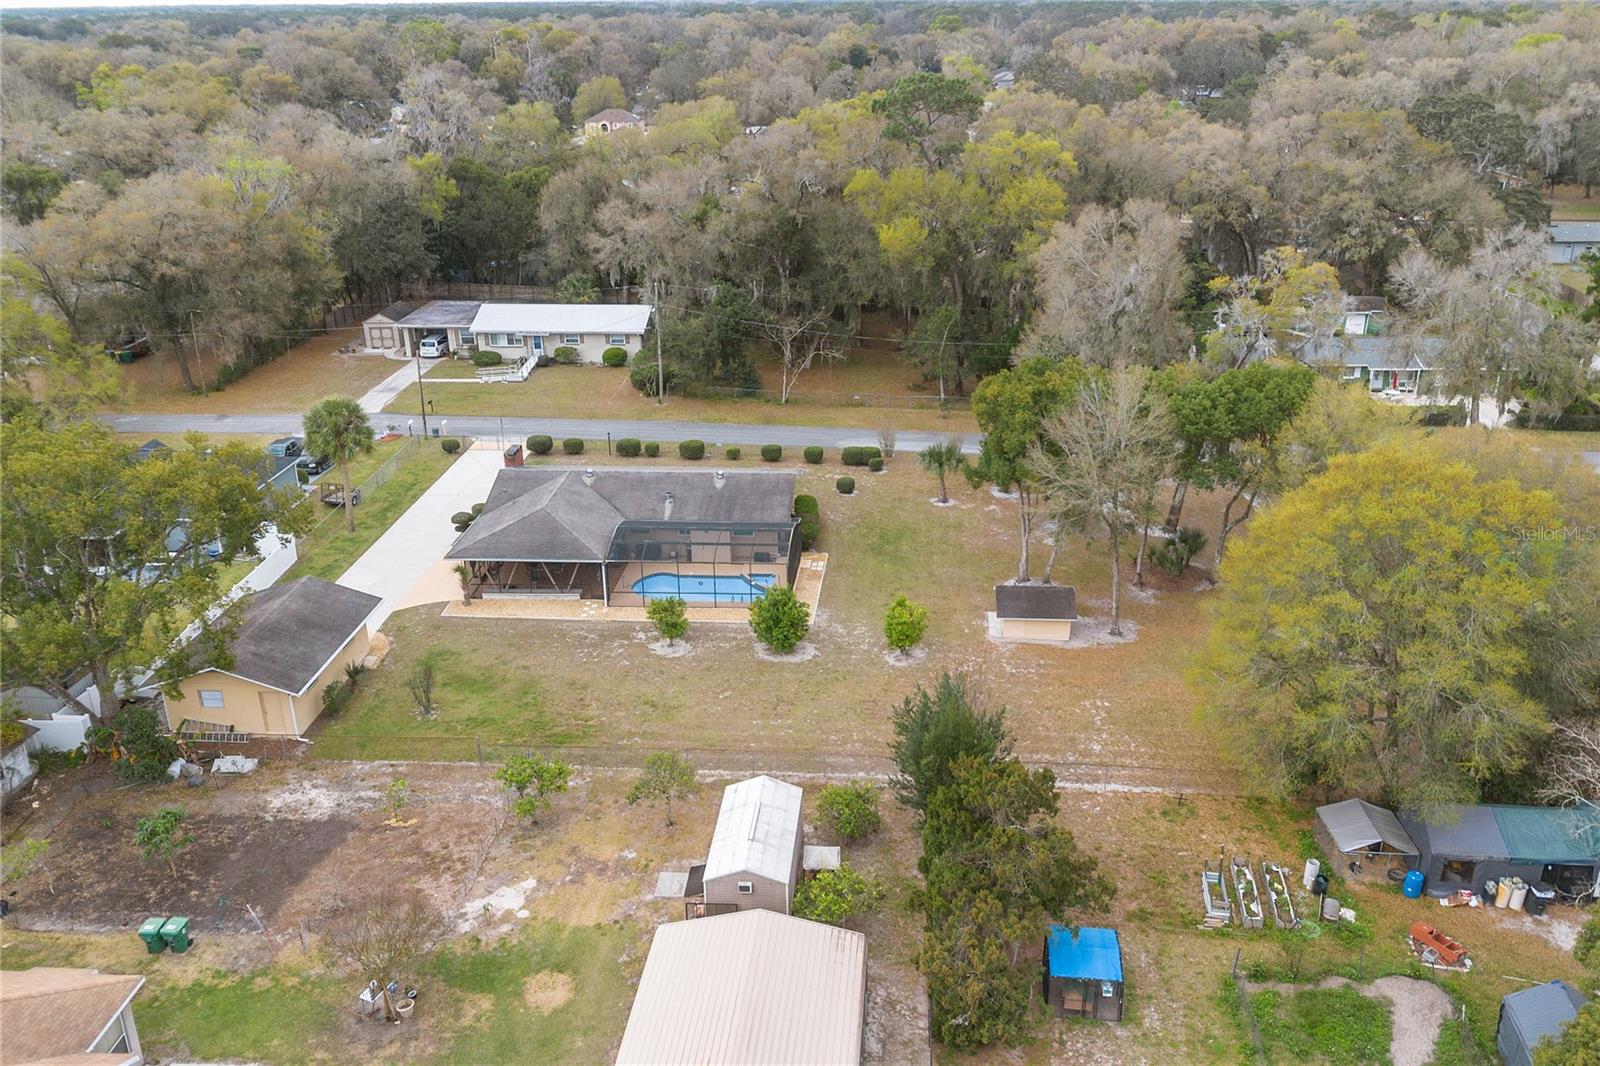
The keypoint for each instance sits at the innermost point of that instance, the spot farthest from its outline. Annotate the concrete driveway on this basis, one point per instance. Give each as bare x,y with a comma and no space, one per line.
419,538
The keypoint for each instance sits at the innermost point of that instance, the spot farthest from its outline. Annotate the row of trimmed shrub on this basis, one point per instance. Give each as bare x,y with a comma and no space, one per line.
632,448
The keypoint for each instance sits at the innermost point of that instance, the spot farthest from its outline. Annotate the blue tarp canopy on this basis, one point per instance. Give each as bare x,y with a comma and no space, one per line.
1085,953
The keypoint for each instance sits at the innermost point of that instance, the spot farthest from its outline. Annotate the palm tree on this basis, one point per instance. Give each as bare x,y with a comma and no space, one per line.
337,429
943,459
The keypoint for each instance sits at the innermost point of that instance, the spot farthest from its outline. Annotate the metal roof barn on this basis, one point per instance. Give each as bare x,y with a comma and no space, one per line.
751,988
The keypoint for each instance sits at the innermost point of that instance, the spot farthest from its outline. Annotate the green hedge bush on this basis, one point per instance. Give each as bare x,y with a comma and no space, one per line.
462,518
810,521
733,453
486,357
692,449
564,354
450,445
780,619
572,446
651,449
875,464
540,444
850,810
859,455
813,453
772,452
845,485
629,447
614,357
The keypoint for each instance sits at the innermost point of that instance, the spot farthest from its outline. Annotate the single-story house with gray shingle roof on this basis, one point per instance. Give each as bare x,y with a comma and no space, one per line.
628,536
292,642
1385,362
1570,240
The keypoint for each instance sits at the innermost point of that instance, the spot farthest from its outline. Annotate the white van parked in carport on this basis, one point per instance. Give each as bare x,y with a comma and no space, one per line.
433,346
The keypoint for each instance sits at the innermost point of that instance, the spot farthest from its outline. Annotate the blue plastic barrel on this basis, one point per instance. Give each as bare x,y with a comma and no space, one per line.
1413,885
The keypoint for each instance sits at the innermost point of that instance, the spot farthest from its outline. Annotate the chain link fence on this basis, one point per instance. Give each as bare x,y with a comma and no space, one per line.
373,480
807,397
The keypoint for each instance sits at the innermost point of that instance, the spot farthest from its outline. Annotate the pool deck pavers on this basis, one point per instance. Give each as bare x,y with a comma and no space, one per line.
807,586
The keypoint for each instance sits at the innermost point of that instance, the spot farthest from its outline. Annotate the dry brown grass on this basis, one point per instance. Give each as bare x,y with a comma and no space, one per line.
292,382
597,684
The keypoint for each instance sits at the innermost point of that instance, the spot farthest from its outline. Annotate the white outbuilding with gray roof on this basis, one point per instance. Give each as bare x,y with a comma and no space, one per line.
756,848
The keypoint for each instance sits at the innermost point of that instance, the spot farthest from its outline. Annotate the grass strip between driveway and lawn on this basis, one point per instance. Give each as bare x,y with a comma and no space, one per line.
330,549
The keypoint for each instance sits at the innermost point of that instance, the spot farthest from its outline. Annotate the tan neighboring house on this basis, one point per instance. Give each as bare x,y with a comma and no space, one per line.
749,988
52,1016
1033,614
293,641
756,848
611,120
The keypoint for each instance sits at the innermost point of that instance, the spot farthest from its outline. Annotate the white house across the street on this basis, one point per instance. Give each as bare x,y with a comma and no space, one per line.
515,330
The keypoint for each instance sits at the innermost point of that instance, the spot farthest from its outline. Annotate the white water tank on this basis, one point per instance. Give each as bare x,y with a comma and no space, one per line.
1313,868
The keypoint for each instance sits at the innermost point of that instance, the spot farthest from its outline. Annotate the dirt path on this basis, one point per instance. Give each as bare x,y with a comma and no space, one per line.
1418,1009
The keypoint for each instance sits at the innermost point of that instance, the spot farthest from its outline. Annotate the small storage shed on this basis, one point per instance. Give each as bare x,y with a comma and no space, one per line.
1464,846
756,848
1034,614
1365,840
1083,972
1531,1014
379,330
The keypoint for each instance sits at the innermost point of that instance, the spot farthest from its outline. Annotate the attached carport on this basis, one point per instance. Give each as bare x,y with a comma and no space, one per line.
450,317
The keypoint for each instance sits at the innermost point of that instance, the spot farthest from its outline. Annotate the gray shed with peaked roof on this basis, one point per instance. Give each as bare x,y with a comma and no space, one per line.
1531,1014
379,331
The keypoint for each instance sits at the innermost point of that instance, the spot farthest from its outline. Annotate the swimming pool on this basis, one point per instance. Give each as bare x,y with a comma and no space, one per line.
692,588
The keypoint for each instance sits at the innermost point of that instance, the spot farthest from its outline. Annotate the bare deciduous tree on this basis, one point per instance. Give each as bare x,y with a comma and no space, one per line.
1110,284
382,934
1572,770
1102,458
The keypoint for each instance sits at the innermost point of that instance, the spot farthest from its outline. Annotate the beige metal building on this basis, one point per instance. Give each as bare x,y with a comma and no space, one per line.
56,1015
756,848
294,640
749,989
1033,614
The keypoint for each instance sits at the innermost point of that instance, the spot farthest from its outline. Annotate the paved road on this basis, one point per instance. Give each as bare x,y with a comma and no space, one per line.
516,429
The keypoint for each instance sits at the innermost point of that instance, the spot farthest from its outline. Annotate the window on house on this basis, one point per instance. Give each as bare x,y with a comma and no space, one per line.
616,339
467,337
572,338
746,887
210,697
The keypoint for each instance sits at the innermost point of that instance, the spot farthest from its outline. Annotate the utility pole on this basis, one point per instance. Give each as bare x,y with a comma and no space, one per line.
661,372
422,401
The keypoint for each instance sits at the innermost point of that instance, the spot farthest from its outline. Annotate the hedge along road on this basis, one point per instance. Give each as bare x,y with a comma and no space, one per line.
515,430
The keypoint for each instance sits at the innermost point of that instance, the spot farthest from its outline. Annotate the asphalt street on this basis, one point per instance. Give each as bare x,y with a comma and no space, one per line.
512,430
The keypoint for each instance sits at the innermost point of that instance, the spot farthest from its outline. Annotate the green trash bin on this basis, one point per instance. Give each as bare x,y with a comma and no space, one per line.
176,933
150,933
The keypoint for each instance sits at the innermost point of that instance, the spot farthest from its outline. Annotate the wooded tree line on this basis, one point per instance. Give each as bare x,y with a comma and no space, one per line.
213,180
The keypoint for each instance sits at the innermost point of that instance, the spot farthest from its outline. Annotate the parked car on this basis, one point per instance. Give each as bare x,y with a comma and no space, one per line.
286,447
433,346
312,465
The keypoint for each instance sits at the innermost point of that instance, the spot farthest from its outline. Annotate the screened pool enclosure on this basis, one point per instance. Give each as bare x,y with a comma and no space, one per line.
630,536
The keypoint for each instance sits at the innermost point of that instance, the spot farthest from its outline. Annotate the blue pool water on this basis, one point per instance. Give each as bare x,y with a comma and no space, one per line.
724,588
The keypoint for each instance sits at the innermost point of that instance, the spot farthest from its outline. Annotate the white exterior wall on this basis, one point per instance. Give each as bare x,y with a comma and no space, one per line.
591,346
60,732
16,770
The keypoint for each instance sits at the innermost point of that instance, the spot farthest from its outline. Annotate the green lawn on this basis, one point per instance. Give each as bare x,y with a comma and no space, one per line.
329,549
1333,1025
